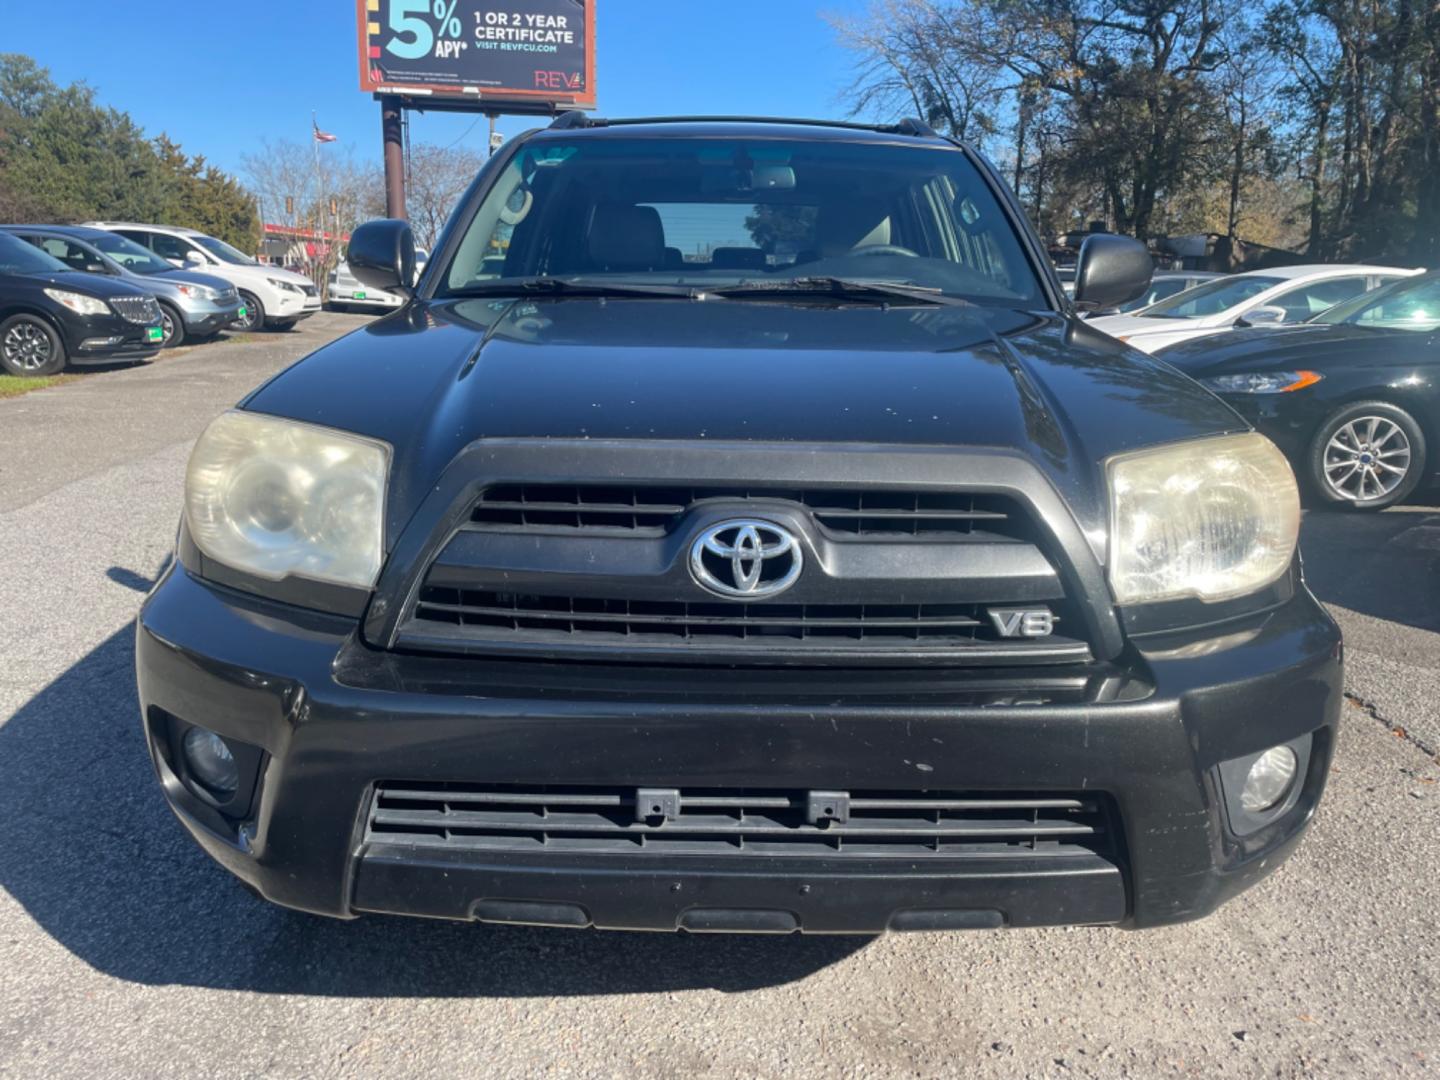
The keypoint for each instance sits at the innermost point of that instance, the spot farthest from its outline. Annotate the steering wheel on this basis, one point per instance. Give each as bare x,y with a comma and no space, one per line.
885,249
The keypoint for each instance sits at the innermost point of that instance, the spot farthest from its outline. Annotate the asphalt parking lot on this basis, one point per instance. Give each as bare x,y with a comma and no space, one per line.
125,952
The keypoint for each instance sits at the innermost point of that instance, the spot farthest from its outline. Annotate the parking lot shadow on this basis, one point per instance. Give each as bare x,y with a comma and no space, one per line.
1384,565
90,850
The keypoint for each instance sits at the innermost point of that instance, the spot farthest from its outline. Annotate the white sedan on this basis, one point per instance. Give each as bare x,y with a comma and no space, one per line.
1281,296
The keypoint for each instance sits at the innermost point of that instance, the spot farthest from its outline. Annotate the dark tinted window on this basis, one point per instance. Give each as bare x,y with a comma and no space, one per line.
18,257
1310,300
169,247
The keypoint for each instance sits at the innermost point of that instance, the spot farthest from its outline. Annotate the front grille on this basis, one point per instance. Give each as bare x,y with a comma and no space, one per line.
226,296
689,622
136,309
705,821
655,510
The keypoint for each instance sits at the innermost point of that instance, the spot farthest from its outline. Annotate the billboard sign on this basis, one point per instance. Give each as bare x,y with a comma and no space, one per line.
528,55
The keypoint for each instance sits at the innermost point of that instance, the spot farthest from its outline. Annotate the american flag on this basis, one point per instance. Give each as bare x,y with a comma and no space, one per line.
321,136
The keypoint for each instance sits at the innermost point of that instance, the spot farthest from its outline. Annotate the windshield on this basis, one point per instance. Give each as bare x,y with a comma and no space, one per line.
706,213
129,254
1160,288
223,251
18,257
1406,305
1211,298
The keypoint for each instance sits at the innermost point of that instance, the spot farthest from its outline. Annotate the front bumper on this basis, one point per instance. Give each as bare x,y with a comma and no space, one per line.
358,295
332,719
292,306
204,317
104,339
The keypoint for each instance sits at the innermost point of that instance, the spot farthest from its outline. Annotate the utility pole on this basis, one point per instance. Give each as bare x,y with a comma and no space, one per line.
391,119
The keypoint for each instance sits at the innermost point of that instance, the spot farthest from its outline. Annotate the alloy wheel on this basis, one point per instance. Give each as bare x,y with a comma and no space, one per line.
27,347
1367,458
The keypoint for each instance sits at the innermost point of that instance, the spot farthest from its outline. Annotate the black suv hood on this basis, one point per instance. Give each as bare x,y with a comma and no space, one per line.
97,285
434,377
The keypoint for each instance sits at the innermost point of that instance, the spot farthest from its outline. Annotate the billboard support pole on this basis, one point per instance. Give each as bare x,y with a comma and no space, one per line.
390,127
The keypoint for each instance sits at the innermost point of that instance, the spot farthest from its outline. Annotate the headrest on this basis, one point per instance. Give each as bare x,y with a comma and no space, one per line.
626,238
737,258
857,223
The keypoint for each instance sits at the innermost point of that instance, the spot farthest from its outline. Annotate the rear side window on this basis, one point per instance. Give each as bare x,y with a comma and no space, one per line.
701,211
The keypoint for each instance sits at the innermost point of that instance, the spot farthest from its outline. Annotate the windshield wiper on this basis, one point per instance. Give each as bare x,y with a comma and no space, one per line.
843,288
551,286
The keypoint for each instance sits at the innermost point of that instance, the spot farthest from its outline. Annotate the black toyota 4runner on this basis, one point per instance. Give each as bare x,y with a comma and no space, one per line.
737,530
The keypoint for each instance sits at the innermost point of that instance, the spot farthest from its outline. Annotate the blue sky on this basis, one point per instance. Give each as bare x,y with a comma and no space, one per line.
219,77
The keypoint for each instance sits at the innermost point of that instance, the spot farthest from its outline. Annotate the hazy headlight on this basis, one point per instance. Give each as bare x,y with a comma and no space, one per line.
197,292
1268,781
1214,518
211,761
1262,382
78,302
275,498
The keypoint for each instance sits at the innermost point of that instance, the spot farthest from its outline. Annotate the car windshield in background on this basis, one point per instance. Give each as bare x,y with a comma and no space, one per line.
18,257
1211,298
1406,305
129,254
707,213
223,251
1158,291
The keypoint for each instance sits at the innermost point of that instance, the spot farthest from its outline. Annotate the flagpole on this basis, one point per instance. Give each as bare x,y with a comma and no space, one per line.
319,187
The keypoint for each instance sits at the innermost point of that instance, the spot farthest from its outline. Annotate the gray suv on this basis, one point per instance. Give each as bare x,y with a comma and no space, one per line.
193,306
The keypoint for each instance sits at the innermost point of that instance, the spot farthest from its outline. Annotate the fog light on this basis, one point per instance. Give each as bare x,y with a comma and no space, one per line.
1269,779
211,761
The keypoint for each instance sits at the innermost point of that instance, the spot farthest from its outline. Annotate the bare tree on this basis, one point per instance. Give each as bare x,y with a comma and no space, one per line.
437,178
916,57
314,190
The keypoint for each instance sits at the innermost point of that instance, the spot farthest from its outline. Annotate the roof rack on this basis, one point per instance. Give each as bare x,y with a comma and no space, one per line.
574,119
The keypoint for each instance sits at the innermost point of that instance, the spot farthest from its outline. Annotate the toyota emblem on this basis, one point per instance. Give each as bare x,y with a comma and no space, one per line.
746,559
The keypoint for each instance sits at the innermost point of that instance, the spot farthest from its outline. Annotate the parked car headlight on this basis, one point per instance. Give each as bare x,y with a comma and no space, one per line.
1262,382
284,286
1213,518
198,292
78,302
276,497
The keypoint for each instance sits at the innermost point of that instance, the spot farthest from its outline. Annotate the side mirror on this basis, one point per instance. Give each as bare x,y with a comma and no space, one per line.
382,255
193,258
1264,315
1112,270
96,268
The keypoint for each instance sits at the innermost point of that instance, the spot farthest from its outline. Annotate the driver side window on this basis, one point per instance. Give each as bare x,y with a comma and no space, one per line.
169,247
1310,300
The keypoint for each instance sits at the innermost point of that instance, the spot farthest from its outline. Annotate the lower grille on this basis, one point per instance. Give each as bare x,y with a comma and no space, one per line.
136,309
705,821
